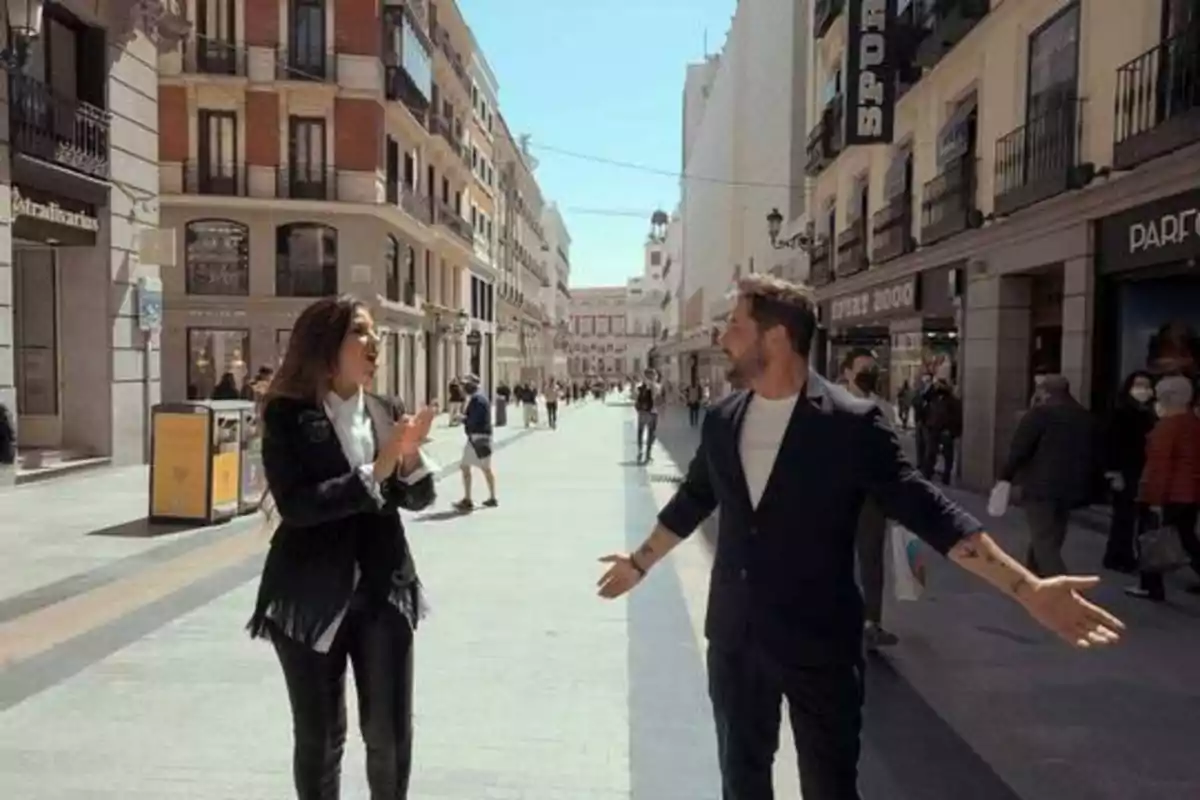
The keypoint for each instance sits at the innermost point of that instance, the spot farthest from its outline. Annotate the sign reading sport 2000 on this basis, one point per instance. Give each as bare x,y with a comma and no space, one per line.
52,212
886,301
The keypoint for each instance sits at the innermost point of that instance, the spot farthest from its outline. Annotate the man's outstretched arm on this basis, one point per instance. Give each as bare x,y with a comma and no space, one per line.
980,555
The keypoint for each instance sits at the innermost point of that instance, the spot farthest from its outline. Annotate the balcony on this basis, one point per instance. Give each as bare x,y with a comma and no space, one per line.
306,65
824,14
444,127
451,219
399,88
416,204
826,140
947,22
891,229
58,130
213,57
1040,159
948,204
852,249
401,292
820,263
306,182
224,180
1158,101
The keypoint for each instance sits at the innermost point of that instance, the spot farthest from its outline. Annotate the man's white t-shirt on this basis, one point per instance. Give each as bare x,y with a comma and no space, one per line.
763,428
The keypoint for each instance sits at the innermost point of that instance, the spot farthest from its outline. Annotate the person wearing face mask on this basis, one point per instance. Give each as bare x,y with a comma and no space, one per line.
860,374
1125,457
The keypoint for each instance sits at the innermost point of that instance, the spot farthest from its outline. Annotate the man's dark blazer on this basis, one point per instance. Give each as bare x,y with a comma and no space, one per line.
330,521
783,577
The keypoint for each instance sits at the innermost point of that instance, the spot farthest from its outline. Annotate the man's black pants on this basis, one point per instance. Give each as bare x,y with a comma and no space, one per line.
378,642
825,705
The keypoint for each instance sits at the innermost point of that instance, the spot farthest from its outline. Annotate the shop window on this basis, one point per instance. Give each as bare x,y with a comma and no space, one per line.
217,257
306,259
218,362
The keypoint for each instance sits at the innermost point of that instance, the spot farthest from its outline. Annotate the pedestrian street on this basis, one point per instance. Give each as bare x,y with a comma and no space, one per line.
125,673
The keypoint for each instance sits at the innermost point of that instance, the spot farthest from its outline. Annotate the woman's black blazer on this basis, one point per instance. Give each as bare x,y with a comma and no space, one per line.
330,522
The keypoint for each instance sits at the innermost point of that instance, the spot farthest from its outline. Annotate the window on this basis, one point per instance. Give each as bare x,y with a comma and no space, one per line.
391,261
410,170
306,256
217,150
1053,63
217,257
306,158
306,39
214,353
655,258
216,39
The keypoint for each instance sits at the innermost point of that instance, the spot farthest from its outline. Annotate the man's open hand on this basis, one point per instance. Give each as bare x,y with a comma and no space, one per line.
1057,604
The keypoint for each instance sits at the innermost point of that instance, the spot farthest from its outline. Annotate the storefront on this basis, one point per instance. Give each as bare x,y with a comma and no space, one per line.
1147,292
910,324
50,233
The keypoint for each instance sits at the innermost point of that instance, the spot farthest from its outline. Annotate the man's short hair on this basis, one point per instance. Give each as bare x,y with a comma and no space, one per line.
855,354
774,301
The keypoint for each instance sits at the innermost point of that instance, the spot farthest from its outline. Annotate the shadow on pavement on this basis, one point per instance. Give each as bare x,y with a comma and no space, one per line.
144,529
444,516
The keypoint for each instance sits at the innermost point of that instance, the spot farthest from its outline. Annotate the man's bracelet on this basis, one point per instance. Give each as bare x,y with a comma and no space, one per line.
641,571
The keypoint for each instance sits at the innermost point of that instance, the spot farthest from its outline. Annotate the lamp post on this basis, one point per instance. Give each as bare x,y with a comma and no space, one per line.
24,25
800,241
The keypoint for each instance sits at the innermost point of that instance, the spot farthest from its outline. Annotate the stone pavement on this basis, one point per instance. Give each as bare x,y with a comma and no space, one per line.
978,703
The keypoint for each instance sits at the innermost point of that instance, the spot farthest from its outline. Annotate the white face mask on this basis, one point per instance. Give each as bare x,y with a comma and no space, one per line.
1141,393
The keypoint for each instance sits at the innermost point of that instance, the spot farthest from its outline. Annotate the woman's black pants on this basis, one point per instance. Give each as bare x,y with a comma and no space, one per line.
378,642
552,413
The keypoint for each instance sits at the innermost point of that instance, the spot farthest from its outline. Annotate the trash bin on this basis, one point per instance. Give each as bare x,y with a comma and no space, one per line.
501,411
196,460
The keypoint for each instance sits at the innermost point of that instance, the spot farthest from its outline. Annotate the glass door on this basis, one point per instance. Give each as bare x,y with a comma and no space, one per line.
36,335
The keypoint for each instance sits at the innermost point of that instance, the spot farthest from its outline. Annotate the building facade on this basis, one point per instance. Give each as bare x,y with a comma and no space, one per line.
556,296
744,121
481,338
78,192
314,147
1032,210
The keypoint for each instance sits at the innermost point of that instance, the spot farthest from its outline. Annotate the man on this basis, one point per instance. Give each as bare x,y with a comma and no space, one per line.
860,374
694,396
788,462
528,396
477,452
1054,455
646,399
941,427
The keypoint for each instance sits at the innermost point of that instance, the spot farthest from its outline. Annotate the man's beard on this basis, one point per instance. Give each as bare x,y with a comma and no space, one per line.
745,369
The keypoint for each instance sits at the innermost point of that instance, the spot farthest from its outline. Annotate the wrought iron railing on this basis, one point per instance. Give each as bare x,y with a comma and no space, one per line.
227,179
57,129
1035,161
307,182
306,65
213,57
1159,87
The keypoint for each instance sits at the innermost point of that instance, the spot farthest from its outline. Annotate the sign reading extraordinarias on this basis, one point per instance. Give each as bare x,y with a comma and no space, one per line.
52,212
1156,233
870,72
892,300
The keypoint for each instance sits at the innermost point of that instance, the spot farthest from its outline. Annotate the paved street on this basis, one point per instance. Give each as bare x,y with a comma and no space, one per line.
125,674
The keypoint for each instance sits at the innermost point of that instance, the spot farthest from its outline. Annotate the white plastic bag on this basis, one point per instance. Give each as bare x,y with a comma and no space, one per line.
998,502
908,563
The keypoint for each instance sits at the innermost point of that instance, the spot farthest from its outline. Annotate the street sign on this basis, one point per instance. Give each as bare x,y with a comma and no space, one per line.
149,303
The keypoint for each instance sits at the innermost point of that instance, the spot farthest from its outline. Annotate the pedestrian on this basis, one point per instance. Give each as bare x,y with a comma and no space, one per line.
552,396
787,461
8,437
860,373
941,427
528,396
339,584
1055,458
694,397
1128,426
1170,487
904,403
477,451
454,392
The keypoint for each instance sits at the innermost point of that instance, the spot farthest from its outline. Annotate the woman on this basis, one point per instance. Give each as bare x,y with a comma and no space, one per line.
552,395
339,583
1171,479
1125,457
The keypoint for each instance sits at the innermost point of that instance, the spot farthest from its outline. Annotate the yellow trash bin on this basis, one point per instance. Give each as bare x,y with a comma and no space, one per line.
196,460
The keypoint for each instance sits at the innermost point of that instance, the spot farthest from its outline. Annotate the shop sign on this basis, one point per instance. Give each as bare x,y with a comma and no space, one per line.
870,72
892,300
52,212
1161,232
474,338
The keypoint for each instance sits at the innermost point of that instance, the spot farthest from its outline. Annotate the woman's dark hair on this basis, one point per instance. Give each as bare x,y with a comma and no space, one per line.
313,348
1127,384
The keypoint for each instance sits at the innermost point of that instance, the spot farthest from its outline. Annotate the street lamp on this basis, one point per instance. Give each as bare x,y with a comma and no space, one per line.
800,241
24,25
460,322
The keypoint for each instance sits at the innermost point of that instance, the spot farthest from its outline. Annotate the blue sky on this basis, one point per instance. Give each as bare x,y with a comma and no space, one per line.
603,79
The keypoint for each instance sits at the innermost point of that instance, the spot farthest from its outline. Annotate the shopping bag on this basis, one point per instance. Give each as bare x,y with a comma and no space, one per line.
998,502
1160,550
908,563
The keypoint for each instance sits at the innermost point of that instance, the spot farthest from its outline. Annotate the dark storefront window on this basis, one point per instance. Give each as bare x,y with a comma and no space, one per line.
217,257
214,353
306,259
